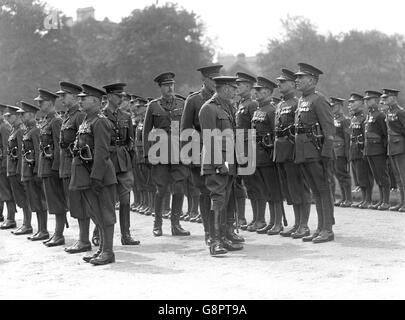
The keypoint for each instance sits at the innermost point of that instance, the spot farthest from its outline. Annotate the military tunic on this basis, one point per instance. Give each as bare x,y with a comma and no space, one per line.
313,155
29,169
360,166
121,147
72,120
294,187
5,188
49,160
95,132
375,146
265,183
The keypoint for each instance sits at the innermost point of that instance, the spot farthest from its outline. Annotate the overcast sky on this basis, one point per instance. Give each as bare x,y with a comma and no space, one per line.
245,26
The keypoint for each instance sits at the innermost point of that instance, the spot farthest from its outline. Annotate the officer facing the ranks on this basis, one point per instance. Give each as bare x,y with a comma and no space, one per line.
217,113
164,113
121,147
190,120
360,166
375,148
314,132
341,147
29,169
14,162
49,159
6,194
72,120
93,172
245,109
294,187
266,186
396,142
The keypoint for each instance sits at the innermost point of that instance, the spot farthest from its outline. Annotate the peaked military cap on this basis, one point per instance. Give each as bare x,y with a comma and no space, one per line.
334,101
27,107
286,75
390,92
67,87
116,88
305,69
165,78
262,82
211,71
3,107
222,80
370,94
45,95
244,77
355,97
9,110
91,91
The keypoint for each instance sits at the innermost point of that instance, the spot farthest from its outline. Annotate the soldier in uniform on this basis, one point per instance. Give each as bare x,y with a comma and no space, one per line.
375,148
190,120
266,186
29,169
360,167
341,147
246,107
314,132
396,142
72,120
14,162
294,187
6,194
217,113
121,149
93,172
48,170
163,115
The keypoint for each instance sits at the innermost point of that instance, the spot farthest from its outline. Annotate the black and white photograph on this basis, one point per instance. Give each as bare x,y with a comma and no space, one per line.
202,151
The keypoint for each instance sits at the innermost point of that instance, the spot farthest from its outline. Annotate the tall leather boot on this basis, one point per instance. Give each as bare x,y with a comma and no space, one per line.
58,239
271,222
363,198
95,239
152,201
136,200
157,225
216,247
303,229
385,205
343,199
297,217
39,226
26,227
107,255
166,205
252,225
401,201
226,243
319,214
126,239
348,194
261,210
101,245
205,208
278,223
83,245
187,216
10,222
141,208
141,201
380,201
177,204
195,216
43,233
240,209
1,211
148,206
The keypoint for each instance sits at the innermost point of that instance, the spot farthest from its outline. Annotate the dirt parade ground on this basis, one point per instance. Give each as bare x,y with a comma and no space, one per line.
366,261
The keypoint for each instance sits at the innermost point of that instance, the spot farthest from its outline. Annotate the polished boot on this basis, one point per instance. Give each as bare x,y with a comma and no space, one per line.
39,227
288,233
386,199
205,209
124,215
367,202
83,245
26,228
265,229
226,243
177,204
401,201
324,236
348,194
303,229
157,224
23,230
42,233
312,236
363,198
278,224
107,255
95,239
252,227
241,209
380,201
232,236
58,239
10,222
100,249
